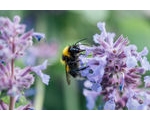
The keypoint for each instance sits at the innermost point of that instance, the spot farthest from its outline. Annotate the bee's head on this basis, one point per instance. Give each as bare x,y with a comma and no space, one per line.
75,49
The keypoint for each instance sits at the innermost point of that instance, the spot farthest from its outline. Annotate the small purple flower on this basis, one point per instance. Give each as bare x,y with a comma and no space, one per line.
109,105
138,100
39,36
96,87
145,64
38,70
91,97
132,104
95,70
147,81
144,52
131,62
114,68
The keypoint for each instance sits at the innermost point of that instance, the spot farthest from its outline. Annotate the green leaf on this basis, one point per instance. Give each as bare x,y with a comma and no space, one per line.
21,101
6,99
3,93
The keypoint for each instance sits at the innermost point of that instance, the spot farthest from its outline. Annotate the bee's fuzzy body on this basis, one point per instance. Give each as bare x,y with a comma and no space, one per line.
70,59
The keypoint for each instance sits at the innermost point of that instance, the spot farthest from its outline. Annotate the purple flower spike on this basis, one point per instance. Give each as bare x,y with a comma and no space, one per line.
14,42
114,68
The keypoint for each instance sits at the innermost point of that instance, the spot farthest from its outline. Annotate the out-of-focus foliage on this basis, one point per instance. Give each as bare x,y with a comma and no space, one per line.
67,27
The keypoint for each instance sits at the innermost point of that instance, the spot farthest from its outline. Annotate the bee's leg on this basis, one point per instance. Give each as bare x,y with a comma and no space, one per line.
81,50
83,68
74,73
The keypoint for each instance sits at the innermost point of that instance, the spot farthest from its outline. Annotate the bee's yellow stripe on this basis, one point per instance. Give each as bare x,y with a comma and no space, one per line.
67,68
66,52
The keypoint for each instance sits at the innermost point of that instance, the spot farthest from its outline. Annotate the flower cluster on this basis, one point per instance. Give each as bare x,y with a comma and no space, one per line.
114,73
14,41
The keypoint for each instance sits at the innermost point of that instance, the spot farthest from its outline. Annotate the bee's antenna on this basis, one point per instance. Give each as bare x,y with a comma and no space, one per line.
80,40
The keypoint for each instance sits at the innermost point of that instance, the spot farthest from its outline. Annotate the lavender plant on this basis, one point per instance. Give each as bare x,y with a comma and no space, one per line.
115,73
14,41
34,55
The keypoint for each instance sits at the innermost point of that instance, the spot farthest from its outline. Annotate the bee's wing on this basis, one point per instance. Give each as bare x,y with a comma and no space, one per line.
67,75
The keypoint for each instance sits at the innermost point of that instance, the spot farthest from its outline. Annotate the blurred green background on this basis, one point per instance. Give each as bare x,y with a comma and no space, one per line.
67,27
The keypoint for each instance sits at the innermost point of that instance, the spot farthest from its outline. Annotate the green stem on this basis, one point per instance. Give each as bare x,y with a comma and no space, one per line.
12,103
41,25
71,95
12,99
39,97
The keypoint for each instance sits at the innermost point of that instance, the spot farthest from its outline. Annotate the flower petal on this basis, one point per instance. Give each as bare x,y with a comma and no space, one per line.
147,81
109,105
39,36
131,62
37,69
144,52
91,97
145,64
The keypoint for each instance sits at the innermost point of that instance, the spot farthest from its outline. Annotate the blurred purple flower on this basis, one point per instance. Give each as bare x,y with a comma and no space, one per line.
113,69
40,51
14,42
91,97
3,106
39,36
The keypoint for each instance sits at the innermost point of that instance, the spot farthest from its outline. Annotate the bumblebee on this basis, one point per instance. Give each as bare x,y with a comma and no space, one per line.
70,56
